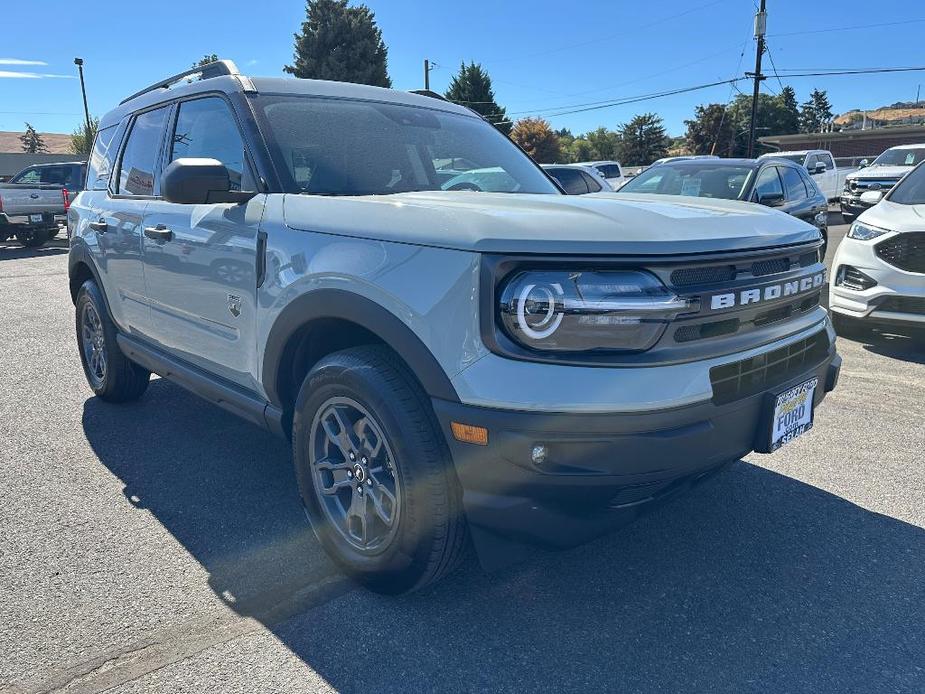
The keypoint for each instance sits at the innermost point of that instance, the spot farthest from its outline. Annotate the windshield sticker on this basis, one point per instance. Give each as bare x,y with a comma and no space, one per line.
690,186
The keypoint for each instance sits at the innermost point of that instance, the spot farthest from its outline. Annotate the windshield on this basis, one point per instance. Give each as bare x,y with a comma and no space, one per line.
704,180
900,157
911,189
341,147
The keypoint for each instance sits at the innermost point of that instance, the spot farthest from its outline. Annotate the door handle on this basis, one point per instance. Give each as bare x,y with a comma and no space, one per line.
101,226
159,233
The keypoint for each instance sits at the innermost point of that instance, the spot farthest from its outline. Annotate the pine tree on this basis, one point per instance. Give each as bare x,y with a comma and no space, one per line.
789,116
472,87
643,140
816,113
340,43
32,142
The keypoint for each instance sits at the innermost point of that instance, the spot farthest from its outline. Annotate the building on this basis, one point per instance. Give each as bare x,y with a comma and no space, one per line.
849,146
13,159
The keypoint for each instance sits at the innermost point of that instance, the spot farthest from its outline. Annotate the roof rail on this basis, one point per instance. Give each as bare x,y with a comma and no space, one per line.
217,68
428,92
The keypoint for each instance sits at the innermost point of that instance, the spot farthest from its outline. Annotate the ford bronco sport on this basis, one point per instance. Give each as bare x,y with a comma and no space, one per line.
513,366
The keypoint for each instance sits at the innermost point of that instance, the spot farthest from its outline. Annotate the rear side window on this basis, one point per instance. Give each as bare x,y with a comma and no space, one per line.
593,186
139,159
28,176
570,180
206,128
608,170
794,188
101,158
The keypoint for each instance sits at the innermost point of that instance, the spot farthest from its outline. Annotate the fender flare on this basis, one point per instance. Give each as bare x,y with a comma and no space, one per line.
79,254
347,306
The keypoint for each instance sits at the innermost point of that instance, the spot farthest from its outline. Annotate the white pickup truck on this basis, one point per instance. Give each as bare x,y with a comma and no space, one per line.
821,165
28,211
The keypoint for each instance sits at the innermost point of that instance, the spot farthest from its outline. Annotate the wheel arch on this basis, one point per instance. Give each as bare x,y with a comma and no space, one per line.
327,320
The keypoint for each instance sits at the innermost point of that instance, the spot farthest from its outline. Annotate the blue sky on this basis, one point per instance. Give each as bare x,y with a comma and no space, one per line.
542,55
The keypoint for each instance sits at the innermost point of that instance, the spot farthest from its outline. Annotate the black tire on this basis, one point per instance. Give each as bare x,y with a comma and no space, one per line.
429,535
32,237
119,380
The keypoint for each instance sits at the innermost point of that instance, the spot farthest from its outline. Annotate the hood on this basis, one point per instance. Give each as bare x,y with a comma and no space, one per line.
601,223
895,217
879,172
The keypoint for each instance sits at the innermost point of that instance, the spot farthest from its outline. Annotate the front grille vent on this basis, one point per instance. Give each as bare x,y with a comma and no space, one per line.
775,266
690,276
808,259
747,377
905,251
702,331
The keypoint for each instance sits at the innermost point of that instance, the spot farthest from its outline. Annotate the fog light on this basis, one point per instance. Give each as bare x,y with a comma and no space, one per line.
538,454
469,434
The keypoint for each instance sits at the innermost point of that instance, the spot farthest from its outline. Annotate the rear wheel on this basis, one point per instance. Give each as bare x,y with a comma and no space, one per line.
110,374
375,473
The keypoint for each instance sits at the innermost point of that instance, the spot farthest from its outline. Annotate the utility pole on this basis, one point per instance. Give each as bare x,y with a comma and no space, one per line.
761,26
427,68
917,93
79,62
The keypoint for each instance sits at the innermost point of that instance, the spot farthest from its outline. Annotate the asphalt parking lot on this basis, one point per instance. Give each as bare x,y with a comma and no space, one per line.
161,546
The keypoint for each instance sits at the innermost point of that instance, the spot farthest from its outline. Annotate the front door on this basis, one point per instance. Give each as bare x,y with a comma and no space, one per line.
201,260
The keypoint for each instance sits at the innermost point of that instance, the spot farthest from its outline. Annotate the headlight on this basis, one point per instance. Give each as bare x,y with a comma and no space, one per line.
863,232
621,311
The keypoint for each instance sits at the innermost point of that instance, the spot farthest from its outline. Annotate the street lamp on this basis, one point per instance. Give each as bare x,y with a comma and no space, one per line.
79,62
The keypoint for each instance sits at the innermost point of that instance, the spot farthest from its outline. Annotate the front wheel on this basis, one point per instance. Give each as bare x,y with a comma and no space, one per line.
110,374
374,472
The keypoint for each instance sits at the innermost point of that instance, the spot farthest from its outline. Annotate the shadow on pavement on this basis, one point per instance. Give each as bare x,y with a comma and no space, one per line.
13,250
752,582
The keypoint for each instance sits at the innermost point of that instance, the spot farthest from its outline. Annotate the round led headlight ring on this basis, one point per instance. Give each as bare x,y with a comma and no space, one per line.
536,310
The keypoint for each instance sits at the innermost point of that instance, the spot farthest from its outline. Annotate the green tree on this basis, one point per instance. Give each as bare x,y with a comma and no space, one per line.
580,149
643,140
605,143
32,142
205,60
82,138
789,116
340,43
816,113
472,87
538,139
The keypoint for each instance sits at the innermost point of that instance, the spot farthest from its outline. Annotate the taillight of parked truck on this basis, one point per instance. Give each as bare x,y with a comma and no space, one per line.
67,198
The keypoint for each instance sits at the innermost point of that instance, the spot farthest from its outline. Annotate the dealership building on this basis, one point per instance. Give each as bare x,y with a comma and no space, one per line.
848,146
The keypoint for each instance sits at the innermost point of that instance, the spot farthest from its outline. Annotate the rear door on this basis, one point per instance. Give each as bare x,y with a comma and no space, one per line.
201,276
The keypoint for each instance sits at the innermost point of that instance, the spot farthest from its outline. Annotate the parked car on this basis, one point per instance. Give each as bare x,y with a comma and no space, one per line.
516,366
880,176
821,166
29,212
576,179
776,183
880,265
68,175
610,171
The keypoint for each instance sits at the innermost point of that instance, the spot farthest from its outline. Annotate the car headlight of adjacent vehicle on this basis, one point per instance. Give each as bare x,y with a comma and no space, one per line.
864,232
583,311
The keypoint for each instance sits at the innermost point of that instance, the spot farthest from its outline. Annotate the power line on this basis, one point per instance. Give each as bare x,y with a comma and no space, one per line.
850,28
859,71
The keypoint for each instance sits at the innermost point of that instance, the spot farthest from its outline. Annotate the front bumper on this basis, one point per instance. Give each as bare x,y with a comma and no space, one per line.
601,470
852,204
23,220
886,302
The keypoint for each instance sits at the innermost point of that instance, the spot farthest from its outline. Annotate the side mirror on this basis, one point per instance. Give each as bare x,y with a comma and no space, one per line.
863,163
194,181
820,168
771,199
871,197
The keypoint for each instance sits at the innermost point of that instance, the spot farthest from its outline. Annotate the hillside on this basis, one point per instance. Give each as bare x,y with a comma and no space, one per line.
57,143
902,113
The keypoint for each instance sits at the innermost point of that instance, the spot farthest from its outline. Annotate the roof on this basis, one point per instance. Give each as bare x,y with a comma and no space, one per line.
914,146
235,83
598,162
873,134
715,162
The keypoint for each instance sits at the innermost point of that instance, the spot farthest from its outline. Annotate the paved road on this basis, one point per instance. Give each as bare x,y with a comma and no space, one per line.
160,546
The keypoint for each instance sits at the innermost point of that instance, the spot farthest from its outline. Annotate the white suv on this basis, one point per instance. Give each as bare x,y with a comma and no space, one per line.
880,266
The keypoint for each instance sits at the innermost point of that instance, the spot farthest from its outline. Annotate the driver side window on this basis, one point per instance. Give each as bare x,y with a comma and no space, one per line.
768,184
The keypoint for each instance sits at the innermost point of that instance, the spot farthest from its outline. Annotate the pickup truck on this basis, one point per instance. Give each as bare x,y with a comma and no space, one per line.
510,366
821,166
878,177
28,211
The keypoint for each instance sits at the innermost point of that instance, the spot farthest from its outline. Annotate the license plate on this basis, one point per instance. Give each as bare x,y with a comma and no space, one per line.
793,413
35,218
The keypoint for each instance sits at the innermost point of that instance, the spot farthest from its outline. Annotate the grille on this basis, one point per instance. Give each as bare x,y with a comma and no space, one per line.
774,266
741,379
808,259
780,313
690,333
903,304
883,184
690,276
905,251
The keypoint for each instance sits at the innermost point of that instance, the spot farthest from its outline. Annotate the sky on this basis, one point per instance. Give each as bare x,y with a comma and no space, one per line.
544,57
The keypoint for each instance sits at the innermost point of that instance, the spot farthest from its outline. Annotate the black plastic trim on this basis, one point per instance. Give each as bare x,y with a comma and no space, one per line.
344,305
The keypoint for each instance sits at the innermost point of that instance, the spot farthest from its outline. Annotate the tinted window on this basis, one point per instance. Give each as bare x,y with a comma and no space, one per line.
139,159
900,157
27,176
346,147
206,128
65,175
570,180
593,186
696,179
104,150
608,170
768,183
911,190
794,187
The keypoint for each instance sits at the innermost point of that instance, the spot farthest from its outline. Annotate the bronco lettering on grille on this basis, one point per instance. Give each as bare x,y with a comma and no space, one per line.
768,292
